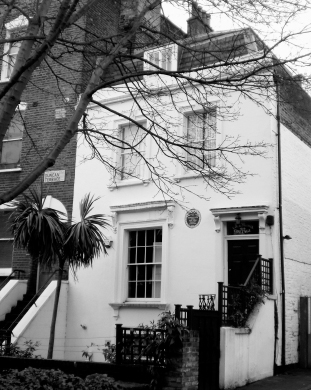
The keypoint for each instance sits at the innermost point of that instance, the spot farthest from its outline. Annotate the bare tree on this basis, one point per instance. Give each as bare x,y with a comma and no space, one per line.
53,32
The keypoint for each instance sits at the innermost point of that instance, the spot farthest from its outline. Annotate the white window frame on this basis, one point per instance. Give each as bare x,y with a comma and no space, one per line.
141,151
148,215
10,27
116,181
21,107
145,264
167,58
122,277
6,271
204,140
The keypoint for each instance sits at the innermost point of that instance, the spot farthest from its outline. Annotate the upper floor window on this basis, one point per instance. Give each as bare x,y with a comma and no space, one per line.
133,150
164,57
11,147
201,134
10,51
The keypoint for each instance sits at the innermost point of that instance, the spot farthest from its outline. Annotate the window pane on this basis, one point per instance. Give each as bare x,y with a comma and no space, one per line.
132,238
141,238
149,254
16,128
159,235
132,255
6,252
157,273
149,272
132,273
132,287
150,237
157,289
5,224
140,254
141,290
141,272
149,290
158,254
11,152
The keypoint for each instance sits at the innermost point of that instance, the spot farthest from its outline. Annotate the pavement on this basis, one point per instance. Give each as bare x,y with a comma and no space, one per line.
294,379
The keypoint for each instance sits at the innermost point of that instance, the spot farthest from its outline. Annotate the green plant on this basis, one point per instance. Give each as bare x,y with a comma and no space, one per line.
26,352
162,348
242,302
110,352
36,378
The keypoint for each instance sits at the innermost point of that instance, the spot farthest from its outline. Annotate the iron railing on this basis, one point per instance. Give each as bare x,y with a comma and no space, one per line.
207,301
17,273
233,296
138,346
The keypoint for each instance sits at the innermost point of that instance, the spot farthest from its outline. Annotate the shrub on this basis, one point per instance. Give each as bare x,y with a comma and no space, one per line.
34,378
27,352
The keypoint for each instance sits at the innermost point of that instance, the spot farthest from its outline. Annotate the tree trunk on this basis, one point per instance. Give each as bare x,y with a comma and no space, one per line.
54,315
32,280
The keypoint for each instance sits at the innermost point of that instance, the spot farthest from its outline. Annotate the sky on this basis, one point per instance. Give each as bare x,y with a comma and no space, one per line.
271,31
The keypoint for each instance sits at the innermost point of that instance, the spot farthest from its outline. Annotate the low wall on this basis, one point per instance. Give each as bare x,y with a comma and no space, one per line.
12,292
36,323
247,354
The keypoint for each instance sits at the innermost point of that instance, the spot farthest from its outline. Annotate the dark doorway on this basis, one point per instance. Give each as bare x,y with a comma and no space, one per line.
242,255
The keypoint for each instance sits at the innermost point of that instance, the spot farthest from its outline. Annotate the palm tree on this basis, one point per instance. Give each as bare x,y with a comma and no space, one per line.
50,240
39,231
84,241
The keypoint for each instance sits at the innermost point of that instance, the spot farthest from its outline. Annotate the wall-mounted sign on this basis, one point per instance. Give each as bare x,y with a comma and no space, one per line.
193,218
243,227
54,176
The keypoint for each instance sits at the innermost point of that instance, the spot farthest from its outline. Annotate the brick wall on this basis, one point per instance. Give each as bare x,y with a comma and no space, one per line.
183,371
296,160
44,95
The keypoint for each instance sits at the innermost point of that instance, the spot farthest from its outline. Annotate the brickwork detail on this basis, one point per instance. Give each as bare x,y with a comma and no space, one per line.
183,371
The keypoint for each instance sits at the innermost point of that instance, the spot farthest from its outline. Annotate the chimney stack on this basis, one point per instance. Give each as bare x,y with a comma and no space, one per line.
199,22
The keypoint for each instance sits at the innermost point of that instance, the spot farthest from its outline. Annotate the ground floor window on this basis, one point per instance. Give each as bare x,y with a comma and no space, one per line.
145,263
6,240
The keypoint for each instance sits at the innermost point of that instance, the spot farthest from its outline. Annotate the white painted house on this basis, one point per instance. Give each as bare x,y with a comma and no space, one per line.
157,260
167,247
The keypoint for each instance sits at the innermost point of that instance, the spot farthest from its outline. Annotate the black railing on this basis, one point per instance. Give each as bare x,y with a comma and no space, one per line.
17,274
207,301
6,335
237,298
138,346
262,274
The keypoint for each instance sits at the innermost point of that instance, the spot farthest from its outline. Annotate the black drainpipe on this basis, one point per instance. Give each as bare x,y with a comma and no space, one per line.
280,207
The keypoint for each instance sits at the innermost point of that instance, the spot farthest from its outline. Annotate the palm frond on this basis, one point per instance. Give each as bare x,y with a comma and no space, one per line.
36,229
85,239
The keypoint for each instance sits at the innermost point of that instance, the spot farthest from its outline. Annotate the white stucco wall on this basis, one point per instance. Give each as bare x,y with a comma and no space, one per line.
12,292
247,354
194,259
36,323
296,184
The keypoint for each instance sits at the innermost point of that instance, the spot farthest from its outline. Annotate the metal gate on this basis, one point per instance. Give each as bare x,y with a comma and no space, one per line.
207,322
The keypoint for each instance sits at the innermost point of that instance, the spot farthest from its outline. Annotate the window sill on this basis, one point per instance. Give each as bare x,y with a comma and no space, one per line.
10,170
137,305
127,183
189,176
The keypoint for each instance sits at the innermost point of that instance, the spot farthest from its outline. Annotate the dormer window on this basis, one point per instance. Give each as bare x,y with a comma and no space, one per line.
162,57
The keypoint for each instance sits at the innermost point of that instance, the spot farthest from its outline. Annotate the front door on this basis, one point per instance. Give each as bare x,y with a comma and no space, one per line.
242,255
